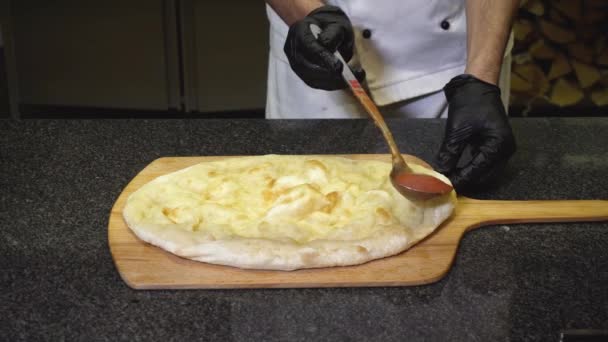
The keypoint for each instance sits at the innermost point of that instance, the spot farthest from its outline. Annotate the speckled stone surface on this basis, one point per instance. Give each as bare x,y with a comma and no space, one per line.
59,179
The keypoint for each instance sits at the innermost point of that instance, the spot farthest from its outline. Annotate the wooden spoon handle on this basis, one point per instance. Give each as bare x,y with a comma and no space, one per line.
368,104
373,111
480,213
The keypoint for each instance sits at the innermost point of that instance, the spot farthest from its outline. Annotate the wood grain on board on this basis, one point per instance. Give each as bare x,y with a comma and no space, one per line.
143,266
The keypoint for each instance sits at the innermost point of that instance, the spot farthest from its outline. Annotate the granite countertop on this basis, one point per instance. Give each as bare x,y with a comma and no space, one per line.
59,179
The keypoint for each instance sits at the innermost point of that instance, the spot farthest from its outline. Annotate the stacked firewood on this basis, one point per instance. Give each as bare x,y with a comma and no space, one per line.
560,58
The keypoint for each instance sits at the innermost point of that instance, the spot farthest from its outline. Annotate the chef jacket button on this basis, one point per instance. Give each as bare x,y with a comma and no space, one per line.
367,33
445,25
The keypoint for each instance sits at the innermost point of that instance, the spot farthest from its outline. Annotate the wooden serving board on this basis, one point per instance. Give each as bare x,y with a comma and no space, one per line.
143,266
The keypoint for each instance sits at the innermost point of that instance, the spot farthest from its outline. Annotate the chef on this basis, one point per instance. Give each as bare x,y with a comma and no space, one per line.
418,58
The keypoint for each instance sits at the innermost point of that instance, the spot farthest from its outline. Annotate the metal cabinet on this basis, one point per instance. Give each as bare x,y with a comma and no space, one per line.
225,54
108,53
188,55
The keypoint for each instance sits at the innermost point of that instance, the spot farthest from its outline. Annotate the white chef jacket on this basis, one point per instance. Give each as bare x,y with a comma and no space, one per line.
410,49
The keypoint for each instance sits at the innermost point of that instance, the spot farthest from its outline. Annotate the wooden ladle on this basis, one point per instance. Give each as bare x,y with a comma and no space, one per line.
412,185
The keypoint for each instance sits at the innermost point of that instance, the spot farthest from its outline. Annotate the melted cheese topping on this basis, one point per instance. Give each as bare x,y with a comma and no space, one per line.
286,198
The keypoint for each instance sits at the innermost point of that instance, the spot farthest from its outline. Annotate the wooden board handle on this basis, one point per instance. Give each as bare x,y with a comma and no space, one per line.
481,213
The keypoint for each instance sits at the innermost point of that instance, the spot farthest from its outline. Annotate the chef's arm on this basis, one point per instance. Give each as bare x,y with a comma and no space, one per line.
293,10
488,29
476,115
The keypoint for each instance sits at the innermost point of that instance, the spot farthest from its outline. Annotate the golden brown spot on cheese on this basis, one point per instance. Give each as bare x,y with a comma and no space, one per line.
316,163
383,213
212,173
289,199
268,195
310,257
271,182
286,200
197,225
171,213
362,249
282,191
333,198
259,168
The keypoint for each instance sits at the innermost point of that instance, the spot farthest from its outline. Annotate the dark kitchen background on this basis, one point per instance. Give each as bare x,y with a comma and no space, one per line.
195,58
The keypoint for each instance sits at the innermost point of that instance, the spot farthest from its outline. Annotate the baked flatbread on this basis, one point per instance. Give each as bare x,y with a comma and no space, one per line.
282,212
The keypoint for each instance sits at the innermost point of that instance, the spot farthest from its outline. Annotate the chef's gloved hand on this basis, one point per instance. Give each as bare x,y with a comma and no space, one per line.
476,118
313,59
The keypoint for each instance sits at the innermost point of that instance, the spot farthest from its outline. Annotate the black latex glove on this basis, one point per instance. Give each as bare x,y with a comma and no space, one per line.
312,59
477,119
